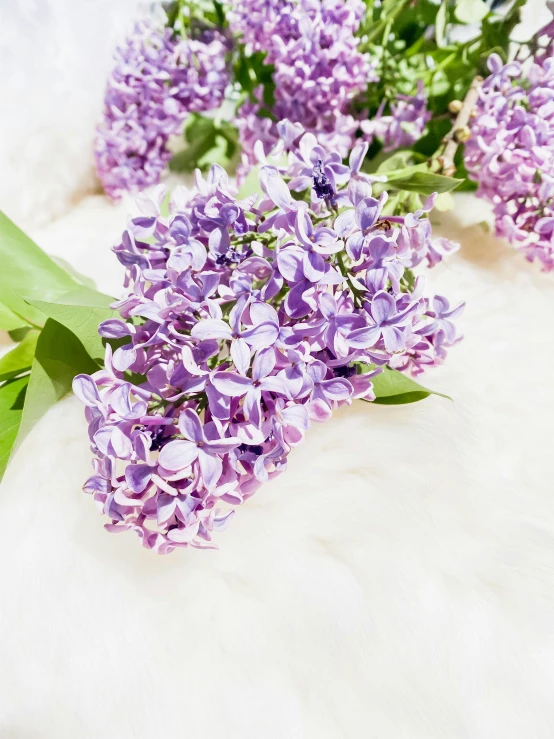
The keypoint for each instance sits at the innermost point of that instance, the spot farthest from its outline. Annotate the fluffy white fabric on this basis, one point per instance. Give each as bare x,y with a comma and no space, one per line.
397,581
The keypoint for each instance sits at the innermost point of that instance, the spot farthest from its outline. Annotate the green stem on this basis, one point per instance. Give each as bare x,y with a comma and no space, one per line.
380,27
358,295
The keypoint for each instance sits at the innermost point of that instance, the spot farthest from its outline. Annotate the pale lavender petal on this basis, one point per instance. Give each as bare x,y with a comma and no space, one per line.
290,262
275,188
190,426
337,388
211,468
252,408
263,364
178,454
121,442
363,338
115,328
85,389
186,535
231,383
138,476
240,354
261,336
314,266
345,222
263,313
222,446
357,156
383,306
124,357
211,328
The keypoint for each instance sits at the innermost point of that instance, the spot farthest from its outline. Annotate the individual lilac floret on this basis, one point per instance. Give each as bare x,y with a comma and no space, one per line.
511,153
157,80
405,124
318,70
249,320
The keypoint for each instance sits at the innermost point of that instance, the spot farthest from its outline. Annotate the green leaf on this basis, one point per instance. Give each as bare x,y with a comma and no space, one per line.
209,141
12,396
200,135
59,356
414,179
440,23
471,11
18,334
20,358
251,184
8,320
394,388
81,320
70,269
27,269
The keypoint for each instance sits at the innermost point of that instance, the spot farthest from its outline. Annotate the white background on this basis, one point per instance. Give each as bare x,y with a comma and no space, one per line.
396,582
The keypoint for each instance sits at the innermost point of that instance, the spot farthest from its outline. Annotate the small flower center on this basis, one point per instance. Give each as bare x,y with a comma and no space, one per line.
322,185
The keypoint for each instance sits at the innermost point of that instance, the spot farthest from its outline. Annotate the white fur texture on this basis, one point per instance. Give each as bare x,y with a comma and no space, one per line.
396,582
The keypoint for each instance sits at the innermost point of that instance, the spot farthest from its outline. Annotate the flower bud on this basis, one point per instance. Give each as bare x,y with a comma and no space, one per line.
454,106
462,134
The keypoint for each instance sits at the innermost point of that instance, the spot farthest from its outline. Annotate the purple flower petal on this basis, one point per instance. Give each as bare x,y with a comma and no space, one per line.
190,426
211,328
240,354
178,454
138,476
211,468
230,383
85,389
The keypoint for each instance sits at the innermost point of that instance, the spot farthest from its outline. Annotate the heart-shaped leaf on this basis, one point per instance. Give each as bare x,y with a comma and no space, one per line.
82,320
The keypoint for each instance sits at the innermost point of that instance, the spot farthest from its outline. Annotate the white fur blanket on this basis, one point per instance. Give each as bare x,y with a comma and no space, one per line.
396,581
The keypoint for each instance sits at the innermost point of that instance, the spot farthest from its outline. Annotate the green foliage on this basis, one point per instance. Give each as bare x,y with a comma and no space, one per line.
413,43
251,72
420,181
208,141
34,290
471,11
394,388
251,184
59,356
28,275
9,321
82,321
12,398
20,258
19,360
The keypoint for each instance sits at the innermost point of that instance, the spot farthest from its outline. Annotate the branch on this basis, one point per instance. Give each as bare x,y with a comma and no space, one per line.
460,132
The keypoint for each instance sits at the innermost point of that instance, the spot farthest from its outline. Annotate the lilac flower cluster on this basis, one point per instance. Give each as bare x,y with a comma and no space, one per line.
511,153
157,80
318,69
248,320
405,124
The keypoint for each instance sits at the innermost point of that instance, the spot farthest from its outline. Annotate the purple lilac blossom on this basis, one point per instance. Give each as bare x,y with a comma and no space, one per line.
405,124
241,355
157,80
511,153
318,69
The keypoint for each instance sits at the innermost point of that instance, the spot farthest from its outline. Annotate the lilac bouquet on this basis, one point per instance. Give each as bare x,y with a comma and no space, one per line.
317,70
158,79
511,153
247,319
343,69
